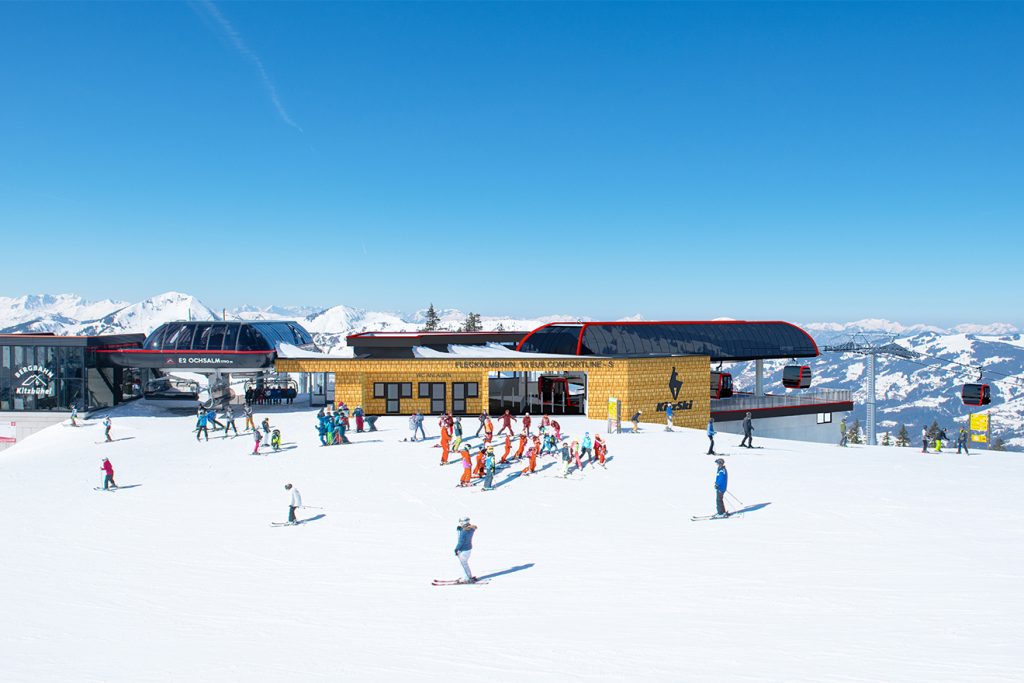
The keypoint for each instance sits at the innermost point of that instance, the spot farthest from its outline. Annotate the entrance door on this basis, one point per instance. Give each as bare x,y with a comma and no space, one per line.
436,392
460,392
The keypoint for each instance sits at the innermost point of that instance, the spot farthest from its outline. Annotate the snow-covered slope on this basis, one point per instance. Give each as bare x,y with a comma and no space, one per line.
866,564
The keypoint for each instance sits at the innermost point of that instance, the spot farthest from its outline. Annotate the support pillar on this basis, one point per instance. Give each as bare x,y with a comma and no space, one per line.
871,400
758,377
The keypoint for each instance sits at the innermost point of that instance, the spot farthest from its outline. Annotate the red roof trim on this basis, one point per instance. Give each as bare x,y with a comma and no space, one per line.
179,352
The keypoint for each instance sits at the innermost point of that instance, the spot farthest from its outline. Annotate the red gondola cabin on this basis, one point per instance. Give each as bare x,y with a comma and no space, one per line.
796,376
976,395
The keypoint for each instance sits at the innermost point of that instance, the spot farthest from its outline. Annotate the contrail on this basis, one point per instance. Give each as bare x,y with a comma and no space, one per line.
244,50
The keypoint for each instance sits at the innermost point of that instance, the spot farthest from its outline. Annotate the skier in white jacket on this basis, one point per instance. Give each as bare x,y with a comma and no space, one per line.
294,504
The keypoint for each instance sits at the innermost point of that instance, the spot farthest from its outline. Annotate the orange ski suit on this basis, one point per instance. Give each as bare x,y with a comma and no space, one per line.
522,445
479,472
467,468
532,454
444,446
508,448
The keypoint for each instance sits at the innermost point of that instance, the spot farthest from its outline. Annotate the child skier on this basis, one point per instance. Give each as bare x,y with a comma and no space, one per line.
574,451
467,468
108,479
600,449
480,455
445,442
106,427
532,455
229,417
558,430
358,413
636,420
565,460
275,440
587,447
257,438
211,416
721,484
668,417
201,427
464,547
266,426
522,445
508,448
249,424
489,470
526,423
74,415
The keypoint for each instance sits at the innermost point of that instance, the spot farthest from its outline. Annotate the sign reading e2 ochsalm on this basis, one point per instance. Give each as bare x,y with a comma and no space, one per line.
8,432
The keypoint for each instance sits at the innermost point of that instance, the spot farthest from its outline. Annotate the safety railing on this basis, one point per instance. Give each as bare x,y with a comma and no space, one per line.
805,398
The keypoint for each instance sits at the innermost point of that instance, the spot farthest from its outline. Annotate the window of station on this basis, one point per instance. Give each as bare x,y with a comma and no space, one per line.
435,391
392,393
460,392
824,418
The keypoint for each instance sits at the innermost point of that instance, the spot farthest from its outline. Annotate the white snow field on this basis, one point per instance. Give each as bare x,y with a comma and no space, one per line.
869,564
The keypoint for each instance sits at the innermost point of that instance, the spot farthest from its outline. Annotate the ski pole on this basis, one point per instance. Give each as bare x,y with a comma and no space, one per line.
735,498
311,507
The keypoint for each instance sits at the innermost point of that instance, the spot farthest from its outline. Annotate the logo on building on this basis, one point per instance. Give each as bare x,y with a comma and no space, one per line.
33,380
675,384
199,360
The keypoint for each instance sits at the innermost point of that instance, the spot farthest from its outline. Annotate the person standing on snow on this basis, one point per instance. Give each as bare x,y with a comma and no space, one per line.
294,504
636,420
961,441
506,423
526,423
721,484
106,427
419,427
74,416
924,439
489,470
211,417
201,428
249,424
464,546
668,417
483,420
358,413
600,449
842,433
711,435
108,480
748,432
587,448
467,467
565,460
229,421
257,438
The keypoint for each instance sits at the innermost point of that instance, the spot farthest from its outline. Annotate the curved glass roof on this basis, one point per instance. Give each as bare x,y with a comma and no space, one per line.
226,336
732,340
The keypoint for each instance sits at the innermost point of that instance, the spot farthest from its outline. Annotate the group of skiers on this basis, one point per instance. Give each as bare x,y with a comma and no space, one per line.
333,424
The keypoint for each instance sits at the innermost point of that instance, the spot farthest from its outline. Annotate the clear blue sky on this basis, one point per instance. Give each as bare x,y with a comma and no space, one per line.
802,161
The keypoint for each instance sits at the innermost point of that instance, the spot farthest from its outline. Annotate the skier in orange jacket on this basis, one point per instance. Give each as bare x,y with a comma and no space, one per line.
508,448
478,473
532,455
467,468
522,445
488,431
445,436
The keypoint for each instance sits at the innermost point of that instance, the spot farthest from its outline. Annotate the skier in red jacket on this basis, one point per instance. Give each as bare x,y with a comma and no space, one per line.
506,423
108,480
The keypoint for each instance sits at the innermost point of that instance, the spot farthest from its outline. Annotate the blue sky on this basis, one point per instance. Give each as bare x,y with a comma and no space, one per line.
819,161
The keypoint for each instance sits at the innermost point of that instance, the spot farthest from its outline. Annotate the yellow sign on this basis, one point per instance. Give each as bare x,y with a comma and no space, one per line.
613,408
979,438
979,422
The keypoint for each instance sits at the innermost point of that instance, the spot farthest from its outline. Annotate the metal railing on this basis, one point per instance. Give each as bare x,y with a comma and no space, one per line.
806,398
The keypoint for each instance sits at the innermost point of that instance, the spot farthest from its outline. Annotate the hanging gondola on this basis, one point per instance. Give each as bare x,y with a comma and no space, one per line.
721,384
796,376
976,395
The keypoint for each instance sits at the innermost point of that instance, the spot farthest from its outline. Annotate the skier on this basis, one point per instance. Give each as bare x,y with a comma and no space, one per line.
489,430
711,435
574,451
558,430
419,426
587,448
526,423
294,504
211,416
600,449
249,424
668,417
565,460
464,547
74,415
961,441
201,427
939,439
924,439
257,438
842,433
506,423
358,412
467,468
636,420
106,427
457,431
275,440
748,432
508,448
532,455
522,445
721,484
266,426
108,480
445,442
483,419
489,470
229,419
478,473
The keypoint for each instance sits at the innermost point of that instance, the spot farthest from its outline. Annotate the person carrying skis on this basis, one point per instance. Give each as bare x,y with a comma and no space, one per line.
464,546
275,440
483,420
294,503
711,435
748,432
229,421
668,417
249,424
108,479
467,468
721,484
961,441
106,427
636,420
489,470
506,423
201,428
257,438
359,414
526,423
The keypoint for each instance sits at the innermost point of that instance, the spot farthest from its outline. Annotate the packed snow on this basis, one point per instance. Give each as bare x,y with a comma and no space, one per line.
857,564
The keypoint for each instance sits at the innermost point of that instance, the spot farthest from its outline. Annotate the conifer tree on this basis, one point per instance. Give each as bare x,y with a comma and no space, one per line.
998,444
433,320
933,431
472,323
853,432
886,441
902,437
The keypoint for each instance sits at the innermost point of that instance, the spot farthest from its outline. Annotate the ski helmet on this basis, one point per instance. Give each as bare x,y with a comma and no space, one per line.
463,521
719,462
287,486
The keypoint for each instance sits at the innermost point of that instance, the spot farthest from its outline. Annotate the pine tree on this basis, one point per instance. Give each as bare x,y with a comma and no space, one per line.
933,431
433,320
886,441
902,438
853,432
472,323
499,327
998,444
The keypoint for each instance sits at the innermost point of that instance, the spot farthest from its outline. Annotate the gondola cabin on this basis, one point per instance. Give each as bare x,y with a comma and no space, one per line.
796,376
721,385
976,395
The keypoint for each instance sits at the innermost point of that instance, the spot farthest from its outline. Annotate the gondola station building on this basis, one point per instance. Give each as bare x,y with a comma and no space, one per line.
583,368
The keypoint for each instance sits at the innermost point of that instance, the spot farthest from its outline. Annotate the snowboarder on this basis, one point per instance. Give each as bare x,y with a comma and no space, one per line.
229,421
526,423
464,547
275,440
668,417
201,427
294,503
108,480
489,470
106,427
257,438
483,420
711,435
961,441
249,424
748,432
721,484
636,420
506,423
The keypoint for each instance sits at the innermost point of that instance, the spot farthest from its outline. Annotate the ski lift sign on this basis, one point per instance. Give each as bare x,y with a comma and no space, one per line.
33,380
979,428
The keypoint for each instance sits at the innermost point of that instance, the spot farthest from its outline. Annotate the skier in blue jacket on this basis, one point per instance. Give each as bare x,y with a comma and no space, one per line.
669,414
721,484
464,547
201,428
711,435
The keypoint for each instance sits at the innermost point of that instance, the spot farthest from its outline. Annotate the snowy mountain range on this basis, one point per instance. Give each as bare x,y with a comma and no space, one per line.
910,392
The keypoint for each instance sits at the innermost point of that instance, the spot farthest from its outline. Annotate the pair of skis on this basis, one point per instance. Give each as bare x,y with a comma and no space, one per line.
704,518
458,582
